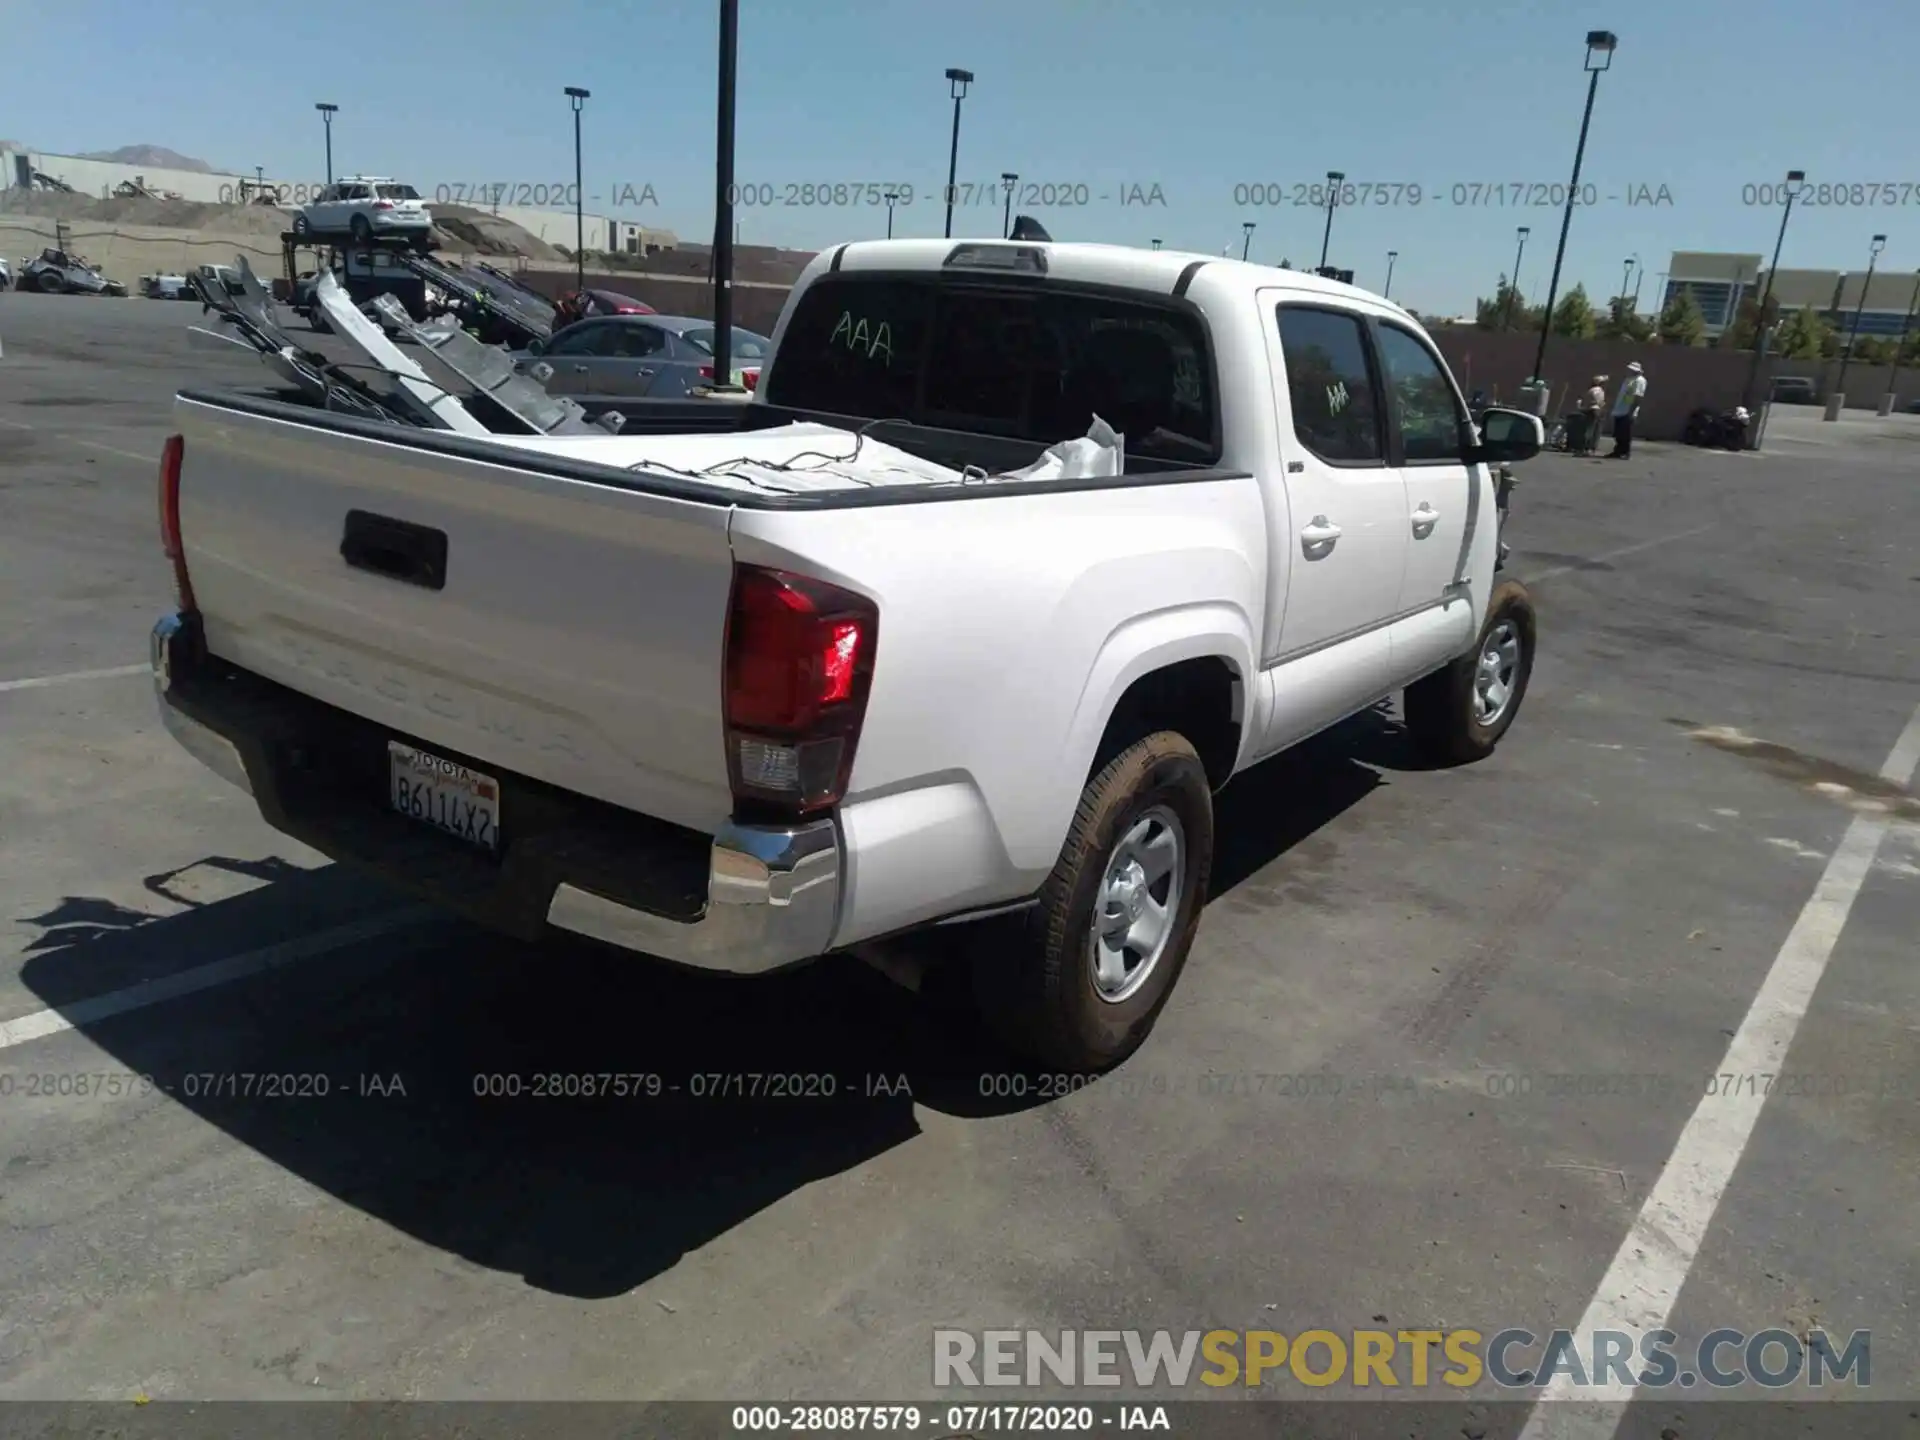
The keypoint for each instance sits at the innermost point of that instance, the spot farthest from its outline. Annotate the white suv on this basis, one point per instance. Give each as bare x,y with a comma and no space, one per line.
364,206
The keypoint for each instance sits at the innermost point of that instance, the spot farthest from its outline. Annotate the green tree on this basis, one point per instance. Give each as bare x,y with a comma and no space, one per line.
1910,352
1507,310
1875,350
1681,323
1748,323
1623,322
1573,316
1803,336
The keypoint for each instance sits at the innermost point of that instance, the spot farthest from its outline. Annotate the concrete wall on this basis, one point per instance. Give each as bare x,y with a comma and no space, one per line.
126,252
1865,383
1679,379
755,306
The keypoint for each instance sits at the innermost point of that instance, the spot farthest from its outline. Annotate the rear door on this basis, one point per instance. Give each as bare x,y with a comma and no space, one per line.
575,355
635,354
1346,522
1428,436
524,623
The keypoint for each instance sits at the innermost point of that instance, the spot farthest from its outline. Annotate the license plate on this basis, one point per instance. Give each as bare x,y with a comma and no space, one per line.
447,796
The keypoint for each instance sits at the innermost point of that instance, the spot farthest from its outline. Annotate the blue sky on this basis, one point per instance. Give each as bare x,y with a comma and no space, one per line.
1704,98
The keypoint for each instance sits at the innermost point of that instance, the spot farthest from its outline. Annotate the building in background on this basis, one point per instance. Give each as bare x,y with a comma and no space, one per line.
1719,282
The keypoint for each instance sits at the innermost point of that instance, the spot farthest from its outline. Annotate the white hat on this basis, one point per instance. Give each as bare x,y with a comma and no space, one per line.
1634,366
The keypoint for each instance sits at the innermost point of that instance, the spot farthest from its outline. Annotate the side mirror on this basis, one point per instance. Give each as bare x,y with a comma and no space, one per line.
1509,436
536,347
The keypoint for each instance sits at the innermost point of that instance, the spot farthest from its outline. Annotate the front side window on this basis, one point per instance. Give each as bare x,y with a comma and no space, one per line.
1423,399
580,340
1330,382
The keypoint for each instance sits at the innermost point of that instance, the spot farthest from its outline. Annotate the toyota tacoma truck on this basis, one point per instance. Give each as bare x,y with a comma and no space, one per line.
740,716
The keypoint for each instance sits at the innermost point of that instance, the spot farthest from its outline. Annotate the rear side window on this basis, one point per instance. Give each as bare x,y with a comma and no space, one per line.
1336,412
1423,399
398,192
1029,362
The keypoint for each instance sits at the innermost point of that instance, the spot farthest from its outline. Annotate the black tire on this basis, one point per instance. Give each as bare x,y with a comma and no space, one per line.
1442,712
1034,976
362,229
52,283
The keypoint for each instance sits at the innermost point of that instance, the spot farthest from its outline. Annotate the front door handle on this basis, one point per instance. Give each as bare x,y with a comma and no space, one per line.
1318,535
645,372
579,369
1424,519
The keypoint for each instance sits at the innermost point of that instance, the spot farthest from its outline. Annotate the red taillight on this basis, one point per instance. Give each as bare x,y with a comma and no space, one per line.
706,373
750,379
799,662
171,454
383,205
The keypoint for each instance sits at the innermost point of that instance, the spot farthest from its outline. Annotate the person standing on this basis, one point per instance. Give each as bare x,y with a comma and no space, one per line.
1626,409
1591,404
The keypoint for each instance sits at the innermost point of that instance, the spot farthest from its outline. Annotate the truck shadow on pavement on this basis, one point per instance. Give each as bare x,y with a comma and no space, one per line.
564,1112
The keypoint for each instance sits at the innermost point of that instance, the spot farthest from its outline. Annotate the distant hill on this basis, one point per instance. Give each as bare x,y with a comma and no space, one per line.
157,156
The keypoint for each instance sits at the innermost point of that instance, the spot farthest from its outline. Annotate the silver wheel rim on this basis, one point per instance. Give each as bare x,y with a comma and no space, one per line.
1497,673
1135,909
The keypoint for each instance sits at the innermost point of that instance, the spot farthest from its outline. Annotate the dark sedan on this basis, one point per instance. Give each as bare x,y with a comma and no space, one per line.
630,357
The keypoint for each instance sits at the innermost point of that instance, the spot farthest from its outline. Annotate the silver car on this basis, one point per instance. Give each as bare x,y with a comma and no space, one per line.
633,357
364,206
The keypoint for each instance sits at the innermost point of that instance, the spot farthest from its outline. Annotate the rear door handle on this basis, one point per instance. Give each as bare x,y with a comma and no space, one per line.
645,372
579,369
1424,519
1319,534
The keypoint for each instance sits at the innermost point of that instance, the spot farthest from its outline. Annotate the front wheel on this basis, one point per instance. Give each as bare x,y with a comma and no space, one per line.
1458,714
1077,982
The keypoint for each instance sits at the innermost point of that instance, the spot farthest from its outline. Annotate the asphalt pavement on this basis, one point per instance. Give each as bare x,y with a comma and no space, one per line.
286,1178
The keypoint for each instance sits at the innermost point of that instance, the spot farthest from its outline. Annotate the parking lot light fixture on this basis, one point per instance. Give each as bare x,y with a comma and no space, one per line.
579,98
1246,238
957,83
1513,283
1906,329
327,113
1392,255
1795,179
1853,332
1334,177
891,196
1009,180
1600,48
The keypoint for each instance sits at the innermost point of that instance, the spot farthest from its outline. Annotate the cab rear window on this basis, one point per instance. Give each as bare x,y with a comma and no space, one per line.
1033,362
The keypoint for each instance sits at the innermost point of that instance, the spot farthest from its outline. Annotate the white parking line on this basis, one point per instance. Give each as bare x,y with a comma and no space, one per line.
1624,550
42,1023
1638,1292
35,682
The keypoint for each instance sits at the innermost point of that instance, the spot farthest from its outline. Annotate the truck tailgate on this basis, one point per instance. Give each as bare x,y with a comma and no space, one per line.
546,625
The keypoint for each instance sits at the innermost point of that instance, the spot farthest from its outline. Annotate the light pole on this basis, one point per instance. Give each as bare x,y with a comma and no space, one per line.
957,83
1853,335
1795,179
891,196
1639,274
579,98
1600,47
1625,276
1334,177
1246,238
1906,328
326,118
259,181
1392,255
1156,244
1513,285
1008,180
723,195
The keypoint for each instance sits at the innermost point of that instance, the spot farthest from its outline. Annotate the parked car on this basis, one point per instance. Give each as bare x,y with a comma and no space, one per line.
55,272
1793,390
740,722
576,305
366,207
632,356
166,287
6,275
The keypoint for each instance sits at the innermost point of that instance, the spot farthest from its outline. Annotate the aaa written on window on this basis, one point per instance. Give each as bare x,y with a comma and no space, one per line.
1330,383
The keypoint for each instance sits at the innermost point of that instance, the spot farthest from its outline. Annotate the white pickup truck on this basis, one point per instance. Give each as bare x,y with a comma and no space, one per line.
739,717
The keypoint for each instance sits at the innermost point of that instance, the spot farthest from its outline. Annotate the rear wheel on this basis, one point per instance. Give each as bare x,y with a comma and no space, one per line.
52,283
1457,715
1077,982
362,229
